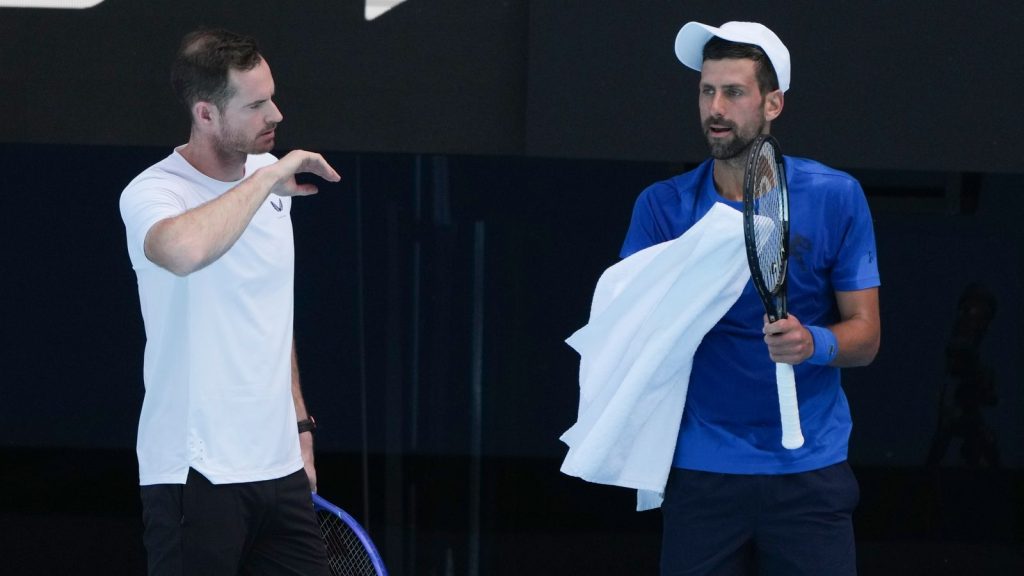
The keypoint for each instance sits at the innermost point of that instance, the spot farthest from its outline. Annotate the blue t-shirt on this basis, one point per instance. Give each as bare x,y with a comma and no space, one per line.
731,421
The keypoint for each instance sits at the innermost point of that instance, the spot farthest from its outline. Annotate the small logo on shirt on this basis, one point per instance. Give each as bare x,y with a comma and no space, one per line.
278,205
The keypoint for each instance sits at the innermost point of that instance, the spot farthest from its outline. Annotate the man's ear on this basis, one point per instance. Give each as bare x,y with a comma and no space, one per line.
204,113
773,103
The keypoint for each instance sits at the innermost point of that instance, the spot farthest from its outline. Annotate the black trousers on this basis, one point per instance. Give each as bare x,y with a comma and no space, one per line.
255,528
785,525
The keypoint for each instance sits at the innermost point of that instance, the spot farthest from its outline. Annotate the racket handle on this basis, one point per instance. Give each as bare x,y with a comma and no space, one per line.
789,409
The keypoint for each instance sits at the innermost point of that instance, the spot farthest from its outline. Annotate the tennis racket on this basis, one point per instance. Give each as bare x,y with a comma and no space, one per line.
350,551
766,234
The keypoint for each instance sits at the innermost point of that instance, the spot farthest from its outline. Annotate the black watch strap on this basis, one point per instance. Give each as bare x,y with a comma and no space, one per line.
307,425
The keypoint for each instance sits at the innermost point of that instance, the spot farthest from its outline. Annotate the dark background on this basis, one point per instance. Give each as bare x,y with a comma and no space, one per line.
491,153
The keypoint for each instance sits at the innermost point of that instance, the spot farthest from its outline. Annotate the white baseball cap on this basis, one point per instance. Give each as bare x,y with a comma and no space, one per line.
693,36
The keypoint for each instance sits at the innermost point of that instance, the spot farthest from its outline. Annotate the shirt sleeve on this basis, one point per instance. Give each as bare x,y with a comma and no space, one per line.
648,225
857,262
145,202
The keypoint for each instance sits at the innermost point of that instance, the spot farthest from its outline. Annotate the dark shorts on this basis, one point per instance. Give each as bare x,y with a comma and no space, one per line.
254,528
732,524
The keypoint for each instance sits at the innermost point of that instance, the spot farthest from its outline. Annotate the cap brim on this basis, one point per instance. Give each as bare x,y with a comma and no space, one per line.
690,43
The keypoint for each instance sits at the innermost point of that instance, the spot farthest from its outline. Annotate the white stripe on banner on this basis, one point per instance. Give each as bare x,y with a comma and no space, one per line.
48,3
375,8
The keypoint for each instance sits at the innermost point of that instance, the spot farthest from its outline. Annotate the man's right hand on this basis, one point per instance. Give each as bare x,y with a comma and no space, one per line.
299,162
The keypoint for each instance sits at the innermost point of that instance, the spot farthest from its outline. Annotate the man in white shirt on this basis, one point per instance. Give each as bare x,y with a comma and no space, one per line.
225,443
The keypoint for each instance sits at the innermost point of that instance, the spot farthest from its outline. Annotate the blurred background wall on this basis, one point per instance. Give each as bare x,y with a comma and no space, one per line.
490,154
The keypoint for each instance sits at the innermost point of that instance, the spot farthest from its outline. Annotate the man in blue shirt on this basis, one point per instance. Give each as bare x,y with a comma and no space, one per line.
736,501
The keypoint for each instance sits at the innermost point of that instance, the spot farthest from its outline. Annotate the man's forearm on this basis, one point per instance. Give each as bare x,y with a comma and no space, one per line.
859,332
193,239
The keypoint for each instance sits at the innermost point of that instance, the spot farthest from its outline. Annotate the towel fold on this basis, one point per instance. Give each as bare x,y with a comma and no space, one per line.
649,313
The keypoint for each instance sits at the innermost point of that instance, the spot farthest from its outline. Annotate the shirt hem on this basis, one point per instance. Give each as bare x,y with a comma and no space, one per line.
764,468
216,477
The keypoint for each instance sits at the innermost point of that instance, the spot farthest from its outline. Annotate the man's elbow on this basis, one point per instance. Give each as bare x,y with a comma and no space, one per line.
180,270
867,352
179,260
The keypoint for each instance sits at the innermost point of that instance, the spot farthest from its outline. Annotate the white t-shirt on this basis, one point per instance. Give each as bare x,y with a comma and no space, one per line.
217,365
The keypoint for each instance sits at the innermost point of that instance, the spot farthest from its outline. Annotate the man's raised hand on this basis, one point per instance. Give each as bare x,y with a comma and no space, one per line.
300,162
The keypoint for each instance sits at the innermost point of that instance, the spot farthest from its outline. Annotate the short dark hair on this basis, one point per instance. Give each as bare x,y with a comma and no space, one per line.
720,49
200,70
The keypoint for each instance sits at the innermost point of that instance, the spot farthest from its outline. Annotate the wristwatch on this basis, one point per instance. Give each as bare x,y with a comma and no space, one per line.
307,425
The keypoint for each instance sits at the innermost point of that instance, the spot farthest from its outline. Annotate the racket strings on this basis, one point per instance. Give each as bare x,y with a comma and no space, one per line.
769,219
346,554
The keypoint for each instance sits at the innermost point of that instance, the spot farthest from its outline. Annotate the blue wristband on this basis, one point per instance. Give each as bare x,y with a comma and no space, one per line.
825,346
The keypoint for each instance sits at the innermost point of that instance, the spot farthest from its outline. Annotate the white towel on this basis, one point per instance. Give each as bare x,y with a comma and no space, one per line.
649,313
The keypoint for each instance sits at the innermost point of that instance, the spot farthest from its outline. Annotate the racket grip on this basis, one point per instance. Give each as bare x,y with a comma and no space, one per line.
789,409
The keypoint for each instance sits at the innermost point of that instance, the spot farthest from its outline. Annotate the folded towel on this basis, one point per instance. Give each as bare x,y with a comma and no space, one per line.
649,313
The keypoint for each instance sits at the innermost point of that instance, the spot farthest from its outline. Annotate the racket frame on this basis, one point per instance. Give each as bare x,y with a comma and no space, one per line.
321,503
773,297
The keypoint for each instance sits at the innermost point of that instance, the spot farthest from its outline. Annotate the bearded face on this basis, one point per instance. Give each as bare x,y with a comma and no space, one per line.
249,118
727,140
732,108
